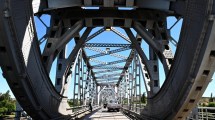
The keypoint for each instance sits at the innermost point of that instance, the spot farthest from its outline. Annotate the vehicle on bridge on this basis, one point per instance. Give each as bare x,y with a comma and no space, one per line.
164,48
113,105
105,105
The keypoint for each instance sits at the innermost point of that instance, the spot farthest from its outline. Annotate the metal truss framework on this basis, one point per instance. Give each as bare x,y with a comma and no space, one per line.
26,68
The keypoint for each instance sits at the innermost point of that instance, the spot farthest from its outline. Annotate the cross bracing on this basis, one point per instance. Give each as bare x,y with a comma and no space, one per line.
117,68
107,80
95,34
111,53
187,71
106,45
110,63
110,75
102,63
106,71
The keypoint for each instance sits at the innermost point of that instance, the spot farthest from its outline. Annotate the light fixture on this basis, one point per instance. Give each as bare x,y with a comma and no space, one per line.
107,49
108,29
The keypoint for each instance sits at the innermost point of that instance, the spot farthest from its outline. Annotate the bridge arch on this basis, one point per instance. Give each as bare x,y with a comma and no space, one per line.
26,68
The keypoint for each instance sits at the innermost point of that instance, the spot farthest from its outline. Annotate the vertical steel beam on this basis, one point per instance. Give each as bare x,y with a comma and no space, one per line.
80,83
127,85
76,87
130,88
87,86
62,81
138,82
146,78
59,81
84,84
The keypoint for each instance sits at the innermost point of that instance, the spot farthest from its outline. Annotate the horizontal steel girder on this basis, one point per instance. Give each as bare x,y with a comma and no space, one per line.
108,80
102,62
115,81
112,52
114,68
41,5
108,76
106,84
25,72
78,13
106,45
150,4
105,71
110,63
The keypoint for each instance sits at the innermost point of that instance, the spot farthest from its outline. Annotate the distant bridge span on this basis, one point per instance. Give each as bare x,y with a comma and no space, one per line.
187,72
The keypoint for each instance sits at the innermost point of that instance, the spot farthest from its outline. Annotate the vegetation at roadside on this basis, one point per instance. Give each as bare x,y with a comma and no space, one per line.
211,104
7,104
73,103
143,98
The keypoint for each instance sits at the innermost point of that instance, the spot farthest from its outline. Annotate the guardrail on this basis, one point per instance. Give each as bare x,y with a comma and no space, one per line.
201,113
80,111
206,113
133,111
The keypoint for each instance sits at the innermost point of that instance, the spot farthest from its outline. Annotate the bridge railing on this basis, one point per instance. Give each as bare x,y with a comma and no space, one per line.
79,111
206,113
133,111
135,108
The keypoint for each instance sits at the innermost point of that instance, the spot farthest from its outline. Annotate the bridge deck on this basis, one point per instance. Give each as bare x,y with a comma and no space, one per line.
103,114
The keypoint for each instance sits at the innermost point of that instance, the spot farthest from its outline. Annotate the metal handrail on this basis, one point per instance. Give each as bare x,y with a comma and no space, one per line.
206,113
81,109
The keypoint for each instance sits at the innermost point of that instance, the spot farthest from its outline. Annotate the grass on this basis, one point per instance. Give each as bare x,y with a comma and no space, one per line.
7,117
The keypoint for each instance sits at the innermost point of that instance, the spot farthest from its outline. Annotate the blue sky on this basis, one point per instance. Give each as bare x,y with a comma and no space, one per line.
105,38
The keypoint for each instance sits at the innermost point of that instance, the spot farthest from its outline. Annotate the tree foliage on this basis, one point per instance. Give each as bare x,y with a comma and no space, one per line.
70,102
143,98
211,104
73,103
211,98
7,104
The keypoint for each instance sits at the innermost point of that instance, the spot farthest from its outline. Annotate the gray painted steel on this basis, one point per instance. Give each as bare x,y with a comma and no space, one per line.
187,76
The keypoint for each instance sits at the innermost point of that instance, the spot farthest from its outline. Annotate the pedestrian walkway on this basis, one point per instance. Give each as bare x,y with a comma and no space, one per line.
103,114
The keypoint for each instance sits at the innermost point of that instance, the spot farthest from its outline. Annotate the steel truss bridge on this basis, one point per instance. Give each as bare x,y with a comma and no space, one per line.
26,67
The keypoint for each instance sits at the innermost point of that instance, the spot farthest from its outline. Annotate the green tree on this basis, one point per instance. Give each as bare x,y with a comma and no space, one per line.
11,107
5,96
211,104
3,110
7,105
70,102
143,98
211,98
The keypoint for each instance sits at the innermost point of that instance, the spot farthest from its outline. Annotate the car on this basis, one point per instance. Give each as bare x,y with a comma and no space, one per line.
113,105
105,105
